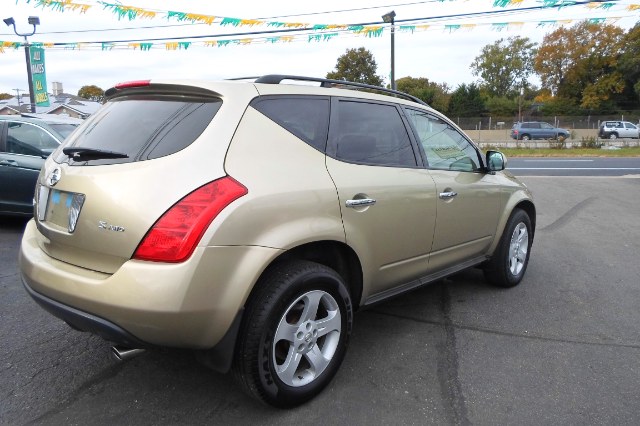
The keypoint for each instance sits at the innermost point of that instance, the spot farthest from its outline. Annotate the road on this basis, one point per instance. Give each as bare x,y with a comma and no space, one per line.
561,348
598,166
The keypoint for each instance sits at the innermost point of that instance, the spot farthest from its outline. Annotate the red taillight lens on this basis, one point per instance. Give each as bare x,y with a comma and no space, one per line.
174,237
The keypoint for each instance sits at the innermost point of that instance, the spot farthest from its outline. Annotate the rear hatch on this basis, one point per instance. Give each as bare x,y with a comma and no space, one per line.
148,147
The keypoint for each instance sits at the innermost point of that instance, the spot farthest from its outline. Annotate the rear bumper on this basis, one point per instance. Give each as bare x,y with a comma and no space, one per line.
193,304
84,321
218,358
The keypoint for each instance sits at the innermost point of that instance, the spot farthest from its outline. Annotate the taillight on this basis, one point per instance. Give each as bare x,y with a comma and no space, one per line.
174,236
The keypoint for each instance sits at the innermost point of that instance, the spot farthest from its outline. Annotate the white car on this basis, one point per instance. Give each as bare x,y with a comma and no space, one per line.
618,129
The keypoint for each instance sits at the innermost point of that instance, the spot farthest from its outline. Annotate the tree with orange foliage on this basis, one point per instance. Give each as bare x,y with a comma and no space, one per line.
579,63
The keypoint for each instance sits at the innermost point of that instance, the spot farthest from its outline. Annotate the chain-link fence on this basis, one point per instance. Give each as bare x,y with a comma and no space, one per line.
565,122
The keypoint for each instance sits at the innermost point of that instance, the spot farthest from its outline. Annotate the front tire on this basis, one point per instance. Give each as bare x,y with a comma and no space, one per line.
509,262
295,333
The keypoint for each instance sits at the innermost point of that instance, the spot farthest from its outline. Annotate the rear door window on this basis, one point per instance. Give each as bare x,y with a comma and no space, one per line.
370,133
29,139
145,127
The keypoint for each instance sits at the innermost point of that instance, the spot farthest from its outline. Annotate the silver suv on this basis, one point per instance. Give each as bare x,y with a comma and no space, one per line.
618,129
249,220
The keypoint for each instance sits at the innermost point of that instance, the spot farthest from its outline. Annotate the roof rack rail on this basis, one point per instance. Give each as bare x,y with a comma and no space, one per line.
325,82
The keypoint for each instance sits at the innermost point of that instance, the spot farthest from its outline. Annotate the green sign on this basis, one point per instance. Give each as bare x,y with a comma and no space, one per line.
39,76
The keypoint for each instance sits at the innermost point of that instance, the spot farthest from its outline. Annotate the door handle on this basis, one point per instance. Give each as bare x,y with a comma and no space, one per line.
360,203
448,195
12,163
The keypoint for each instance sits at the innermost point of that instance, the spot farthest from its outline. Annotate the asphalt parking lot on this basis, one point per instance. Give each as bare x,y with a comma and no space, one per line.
561,348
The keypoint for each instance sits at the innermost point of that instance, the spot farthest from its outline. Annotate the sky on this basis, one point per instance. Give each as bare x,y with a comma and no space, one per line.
439,39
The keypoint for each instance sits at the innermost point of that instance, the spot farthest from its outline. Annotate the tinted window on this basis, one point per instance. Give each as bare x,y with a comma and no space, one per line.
145,126
629,126
371,134
307,118
444,146
29,139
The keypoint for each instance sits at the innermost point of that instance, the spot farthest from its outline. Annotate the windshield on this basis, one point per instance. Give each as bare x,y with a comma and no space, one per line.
65,129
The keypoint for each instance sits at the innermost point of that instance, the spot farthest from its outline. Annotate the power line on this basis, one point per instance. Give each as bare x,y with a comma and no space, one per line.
501,12
202,23
354,10
306,29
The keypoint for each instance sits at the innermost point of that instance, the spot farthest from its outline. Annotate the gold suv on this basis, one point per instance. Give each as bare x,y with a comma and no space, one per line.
248,220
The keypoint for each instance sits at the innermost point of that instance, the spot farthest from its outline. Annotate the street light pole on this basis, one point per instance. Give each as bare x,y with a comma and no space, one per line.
33,20
390,18
520,104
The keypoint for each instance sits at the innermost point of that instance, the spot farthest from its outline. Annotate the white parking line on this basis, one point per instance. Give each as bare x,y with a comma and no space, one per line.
578,177
574,168
550,161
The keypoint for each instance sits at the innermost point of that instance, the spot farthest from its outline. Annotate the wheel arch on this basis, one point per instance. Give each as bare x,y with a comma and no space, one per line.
523,204
530,208
333,254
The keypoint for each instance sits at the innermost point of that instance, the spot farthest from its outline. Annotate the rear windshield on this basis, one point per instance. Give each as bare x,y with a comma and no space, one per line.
144,127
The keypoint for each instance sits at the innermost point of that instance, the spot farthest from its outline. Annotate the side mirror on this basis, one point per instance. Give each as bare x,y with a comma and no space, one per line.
496,161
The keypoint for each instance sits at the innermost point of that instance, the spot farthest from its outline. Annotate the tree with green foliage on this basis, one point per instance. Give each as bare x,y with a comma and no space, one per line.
357,65
436,95
504,107
629,63
92,92
466,101
505,66
559,106
4,96
579,63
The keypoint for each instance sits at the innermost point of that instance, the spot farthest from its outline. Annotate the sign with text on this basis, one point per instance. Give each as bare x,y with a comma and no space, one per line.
39,76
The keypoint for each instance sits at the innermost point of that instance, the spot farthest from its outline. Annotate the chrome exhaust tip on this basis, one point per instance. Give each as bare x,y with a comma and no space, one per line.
122,353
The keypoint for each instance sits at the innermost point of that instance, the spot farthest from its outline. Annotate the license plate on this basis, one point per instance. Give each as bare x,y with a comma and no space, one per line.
62,208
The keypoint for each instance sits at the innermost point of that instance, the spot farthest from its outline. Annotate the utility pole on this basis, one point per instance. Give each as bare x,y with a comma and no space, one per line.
18,96
389,18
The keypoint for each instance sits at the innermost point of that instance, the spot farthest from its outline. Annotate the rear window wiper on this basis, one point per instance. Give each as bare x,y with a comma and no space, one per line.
84,154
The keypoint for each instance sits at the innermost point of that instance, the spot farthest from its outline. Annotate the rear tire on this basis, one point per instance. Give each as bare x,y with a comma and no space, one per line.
526,137
294,334
509,262
613,136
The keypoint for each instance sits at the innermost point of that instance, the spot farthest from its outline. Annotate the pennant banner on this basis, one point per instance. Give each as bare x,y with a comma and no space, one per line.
319,32
132,13
363,31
